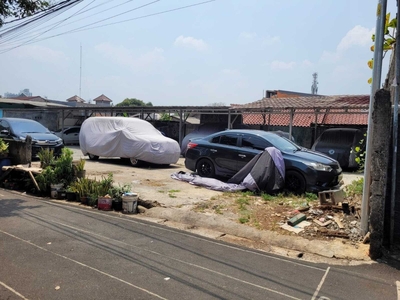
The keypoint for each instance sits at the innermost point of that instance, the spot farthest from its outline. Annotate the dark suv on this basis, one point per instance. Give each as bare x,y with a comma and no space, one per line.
225,153
18,129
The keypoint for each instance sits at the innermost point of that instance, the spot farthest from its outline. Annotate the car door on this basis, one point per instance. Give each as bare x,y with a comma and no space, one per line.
250,146
71,135
223,152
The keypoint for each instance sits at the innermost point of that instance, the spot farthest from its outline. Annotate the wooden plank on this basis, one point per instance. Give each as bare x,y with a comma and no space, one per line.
34,180
323,224
338,222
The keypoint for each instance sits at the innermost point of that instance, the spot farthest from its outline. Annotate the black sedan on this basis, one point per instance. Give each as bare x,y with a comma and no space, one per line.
224,153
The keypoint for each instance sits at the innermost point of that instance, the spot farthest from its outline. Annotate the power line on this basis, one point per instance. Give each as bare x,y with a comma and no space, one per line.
106,2
136,8
82,28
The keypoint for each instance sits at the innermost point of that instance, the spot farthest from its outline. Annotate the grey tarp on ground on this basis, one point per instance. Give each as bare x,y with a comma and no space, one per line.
265,172
210,183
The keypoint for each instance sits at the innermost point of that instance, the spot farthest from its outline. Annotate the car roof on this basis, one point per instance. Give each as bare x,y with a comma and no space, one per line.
248,131
13,120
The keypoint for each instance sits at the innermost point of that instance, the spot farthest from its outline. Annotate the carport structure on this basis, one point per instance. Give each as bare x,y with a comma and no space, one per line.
289,112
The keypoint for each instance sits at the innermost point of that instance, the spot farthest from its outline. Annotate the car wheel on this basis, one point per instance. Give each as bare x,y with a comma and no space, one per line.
93,157
295,182
205,168
135,162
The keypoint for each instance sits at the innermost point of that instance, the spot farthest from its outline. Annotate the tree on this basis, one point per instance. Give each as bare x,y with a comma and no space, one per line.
133,102
20,8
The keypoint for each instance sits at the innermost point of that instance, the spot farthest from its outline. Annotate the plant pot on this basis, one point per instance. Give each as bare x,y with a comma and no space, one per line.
71,196
80,174
116,205
104,203
4,161
54,188
61,194
85,200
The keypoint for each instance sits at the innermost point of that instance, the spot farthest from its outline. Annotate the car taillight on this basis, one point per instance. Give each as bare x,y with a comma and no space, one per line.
191,145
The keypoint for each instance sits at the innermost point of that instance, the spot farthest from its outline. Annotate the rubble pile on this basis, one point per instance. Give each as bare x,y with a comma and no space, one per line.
335,217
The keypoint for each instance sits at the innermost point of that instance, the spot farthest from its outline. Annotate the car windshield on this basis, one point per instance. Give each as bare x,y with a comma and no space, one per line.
28,127
283,144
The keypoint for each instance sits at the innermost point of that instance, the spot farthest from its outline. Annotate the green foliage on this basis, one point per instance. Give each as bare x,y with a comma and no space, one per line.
61,171
3,148
46,157
165,117
80,166
389,39
244,219
134,102
359,152
20,8
355,188
116,192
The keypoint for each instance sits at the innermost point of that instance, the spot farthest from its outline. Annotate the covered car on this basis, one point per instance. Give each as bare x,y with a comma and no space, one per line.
131,138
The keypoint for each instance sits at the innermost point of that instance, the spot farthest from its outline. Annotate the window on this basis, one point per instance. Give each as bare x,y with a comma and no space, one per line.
255,142
225,140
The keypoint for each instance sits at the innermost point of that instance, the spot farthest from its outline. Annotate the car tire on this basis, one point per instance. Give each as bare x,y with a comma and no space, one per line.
135,162
295,182
205,168
93,157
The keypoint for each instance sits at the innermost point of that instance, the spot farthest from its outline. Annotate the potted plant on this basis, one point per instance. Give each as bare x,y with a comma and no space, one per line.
116,193
104,200
46,157
79,168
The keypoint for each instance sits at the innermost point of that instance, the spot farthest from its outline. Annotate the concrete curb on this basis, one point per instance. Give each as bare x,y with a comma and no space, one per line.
331,249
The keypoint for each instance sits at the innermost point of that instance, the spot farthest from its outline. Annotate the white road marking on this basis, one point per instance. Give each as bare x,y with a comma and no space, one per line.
12,290
84,265
148,251
188,235
398,289
320,284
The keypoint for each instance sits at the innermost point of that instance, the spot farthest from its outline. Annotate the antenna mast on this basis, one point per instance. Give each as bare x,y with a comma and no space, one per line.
314,87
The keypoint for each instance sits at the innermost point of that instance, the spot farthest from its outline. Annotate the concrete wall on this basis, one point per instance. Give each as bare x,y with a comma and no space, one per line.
47,119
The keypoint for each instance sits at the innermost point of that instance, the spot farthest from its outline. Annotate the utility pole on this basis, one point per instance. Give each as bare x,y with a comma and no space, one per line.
80,71
376,83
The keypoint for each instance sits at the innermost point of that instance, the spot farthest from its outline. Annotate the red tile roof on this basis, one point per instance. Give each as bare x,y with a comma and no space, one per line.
333,110
76,99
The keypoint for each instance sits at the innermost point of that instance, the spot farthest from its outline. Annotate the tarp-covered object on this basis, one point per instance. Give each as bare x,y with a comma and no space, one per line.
127,138
265,172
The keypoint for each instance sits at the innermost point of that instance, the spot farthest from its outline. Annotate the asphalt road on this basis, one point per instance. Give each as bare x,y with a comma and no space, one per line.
50,250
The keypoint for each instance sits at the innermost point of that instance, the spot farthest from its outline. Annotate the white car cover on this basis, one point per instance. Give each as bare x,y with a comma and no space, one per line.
128,138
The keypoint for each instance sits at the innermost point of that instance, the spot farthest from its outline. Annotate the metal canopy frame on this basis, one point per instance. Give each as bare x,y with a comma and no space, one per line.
185,111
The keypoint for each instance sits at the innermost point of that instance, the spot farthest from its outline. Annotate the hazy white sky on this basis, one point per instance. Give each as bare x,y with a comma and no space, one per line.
226,51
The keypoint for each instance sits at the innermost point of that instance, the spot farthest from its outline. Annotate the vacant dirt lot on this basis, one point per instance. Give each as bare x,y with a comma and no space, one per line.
264,212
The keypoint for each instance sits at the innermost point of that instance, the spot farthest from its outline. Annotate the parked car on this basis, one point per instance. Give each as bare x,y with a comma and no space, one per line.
338,143
69,135
225,153
18,129
131,138
204,130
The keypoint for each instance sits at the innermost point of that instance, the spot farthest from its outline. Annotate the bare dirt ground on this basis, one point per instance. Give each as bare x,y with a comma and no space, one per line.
264,212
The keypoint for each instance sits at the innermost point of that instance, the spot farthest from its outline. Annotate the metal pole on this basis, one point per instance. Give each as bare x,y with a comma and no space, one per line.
291,123
376,82
395,126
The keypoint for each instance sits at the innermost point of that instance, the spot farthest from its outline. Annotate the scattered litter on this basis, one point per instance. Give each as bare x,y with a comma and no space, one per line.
57,288
49,243
296,219
167,278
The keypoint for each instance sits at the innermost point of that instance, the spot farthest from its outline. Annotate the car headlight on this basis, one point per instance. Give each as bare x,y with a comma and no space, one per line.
319,167
59,141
